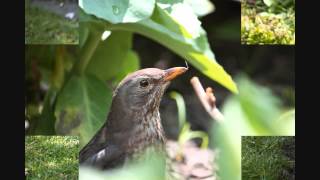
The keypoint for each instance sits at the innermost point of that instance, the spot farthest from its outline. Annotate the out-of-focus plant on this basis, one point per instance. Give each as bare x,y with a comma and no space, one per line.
186,133
47,67
79,84
254,112
173,24
153,166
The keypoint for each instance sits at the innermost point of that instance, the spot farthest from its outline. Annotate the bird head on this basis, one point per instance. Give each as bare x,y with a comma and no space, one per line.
144,88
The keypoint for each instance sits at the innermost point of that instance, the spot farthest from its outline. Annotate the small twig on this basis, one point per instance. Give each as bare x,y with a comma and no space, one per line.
186,64
207,99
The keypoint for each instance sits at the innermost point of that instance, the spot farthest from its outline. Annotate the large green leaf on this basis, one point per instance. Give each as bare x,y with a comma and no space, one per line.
171,34
119,11
130,64
110,55
178,17
191,45
82,107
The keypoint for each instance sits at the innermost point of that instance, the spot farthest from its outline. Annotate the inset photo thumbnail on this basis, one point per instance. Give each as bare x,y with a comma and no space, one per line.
268,157
268,22
51,157
51,22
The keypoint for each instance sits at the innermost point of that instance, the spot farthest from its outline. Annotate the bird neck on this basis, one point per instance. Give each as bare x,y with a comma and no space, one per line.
147,132
146,120
135,129
153,126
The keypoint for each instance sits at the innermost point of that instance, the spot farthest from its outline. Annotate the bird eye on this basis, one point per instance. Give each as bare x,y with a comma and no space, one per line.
144,83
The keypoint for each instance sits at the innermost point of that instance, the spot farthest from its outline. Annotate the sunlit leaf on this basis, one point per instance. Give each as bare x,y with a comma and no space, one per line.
119,11
166,29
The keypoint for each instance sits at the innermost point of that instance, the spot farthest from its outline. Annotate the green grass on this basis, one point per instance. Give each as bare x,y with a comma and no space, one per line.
268,157
42,27
51,157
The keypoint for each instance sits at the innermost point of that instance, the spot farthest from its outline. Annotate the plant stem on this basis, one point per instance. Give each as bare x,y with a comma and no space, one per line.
87,51
57,77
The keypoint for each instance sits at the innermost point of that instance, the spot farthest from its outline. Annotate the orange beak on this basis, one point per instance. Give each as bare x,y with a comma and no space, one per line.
172,73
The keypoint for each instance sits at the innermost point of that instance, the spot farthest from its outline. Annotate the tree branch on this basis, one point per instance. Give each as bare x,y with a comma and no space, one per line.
207,99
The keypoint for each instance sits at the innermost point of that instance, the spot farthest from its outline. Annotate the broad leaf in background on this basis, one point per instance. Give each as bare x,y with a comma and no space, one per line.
130,64
168,28
119,11
254,112
110,55
195,50
82,107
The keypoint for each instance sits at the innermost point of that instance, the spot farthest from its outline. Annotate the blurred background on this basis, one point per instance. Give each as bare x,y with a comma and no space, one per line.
54,95
270,66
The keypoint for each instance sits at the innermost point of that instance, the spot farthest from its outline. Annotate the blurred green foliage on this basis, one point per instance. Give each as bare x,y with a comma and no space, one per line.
185,133
152,166
174,24
269,22
266,157
254,112
43,27
77,83
51,157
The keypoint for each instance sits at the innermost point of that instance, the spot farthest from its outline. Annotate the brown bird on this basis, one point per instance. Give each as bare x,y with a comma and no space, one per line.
133,123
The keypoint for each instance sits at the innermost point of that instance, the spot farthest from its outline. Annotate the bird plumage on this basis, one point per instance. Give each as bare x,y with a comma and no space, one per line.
133,123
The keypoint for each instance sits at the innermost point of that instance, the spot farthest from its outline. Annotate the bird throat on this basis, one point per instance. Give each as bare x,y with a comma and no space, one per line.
149,133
